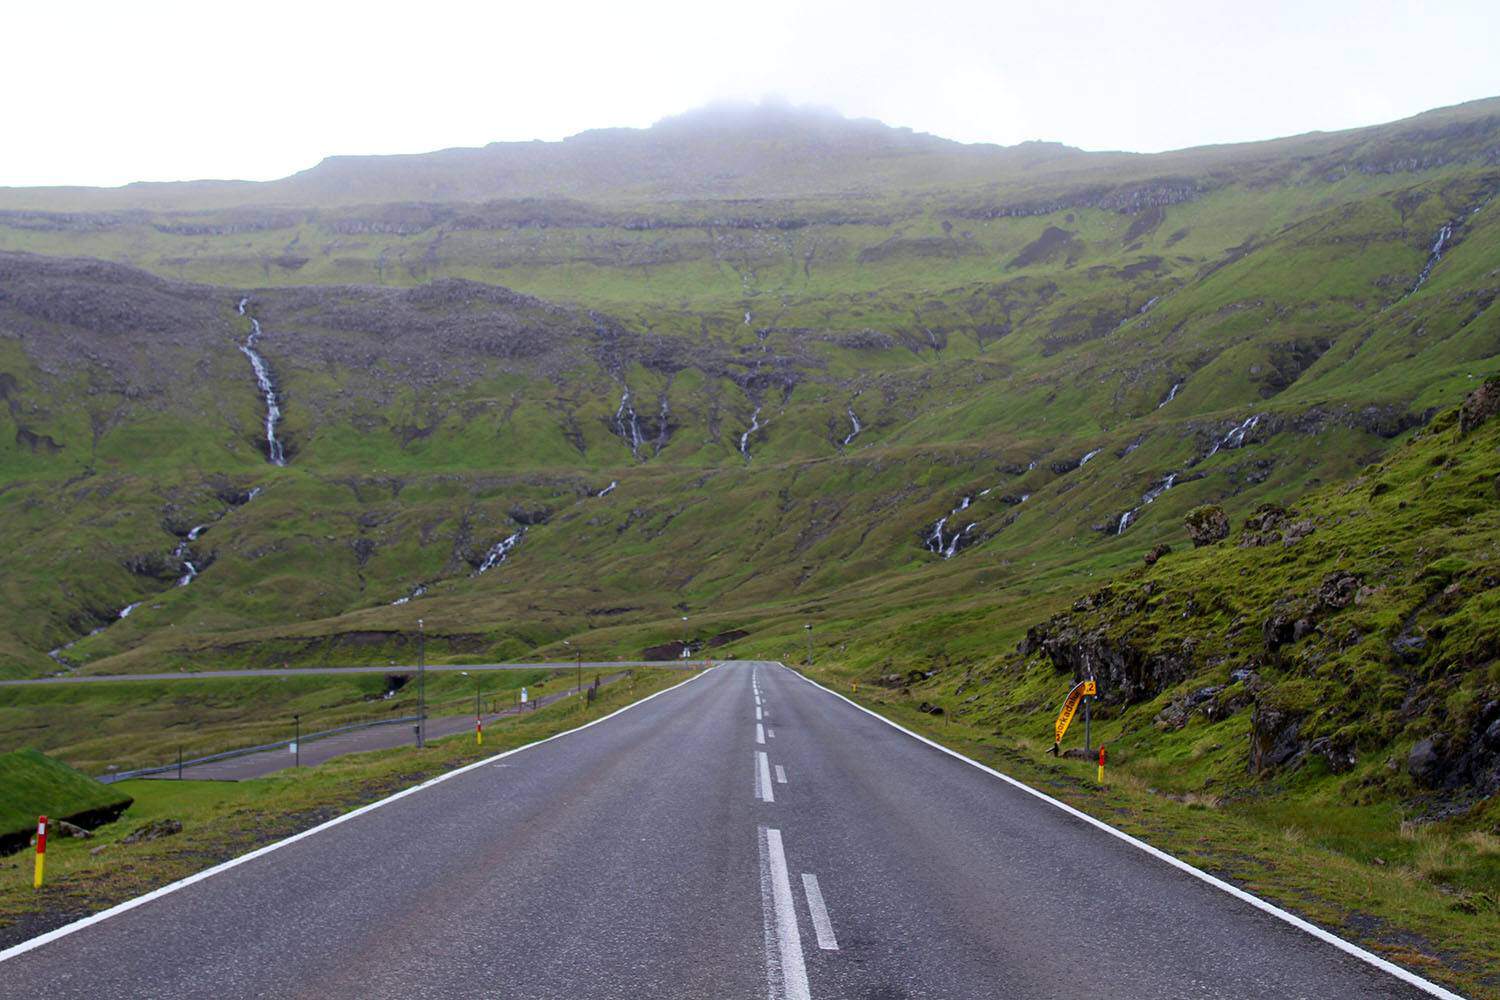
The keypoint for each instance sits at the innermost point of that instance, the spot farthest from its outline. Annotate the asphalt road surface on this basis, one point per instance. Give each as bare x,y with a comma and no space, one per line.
745,834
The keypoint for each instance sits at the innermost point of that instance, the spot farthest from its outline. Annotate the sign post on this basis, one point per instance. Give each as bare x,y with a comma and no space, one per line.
41,852
1081,690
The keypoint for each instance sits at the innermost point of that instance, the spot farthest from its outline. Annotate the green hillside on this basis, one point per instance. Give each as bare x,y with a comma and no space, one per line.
910,391
33,784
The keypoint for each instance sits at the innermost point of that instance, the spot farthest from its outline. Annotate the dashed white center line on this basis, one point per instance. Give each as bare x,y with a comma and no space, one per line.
760,733
757,713
822,926
785,969
780,775
763,777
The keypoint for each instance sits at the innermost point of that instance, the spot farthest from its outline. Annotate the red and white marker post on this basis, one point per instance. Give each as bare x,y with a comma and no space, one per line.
1101,763
41,851
478,731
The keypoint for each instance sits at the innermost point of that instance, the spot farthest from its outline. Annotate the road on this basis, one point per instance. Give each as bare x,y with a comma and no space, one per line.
745,834
315,752
199,675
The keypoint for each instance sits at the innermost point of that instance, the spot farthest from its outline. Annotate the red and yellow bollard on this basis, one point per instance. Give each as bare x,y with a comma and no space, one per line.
41,851
479,732
1101,763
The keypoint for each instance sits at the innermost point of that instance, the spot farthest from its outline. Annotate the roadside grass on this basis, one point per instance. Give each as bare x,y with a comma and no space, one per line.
104,726
222,820
1417,894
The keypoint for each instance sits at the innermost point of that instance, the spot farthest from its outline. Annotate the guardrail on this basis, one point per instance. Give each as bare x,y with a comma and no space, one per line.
143,772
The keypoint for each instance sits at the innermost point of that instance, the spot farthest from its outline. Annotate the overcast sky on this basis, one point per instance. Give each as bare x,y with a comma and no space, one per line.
105,93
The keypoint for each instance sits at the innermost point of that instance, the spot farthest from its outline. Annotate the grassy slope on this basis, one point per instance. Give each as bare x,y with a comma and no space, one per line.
1344,827
36,785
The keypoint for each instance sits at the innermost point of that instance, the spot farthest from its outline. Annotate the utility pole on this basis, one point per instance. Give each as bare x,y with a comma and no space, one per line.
808,626
421,684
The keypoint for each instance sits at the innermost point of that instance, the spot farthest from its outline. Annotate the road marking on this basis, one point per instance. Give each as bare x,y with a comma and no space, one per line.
1347,947
763,777
780,775
786,973
757,713
760,733
815,906
130,904
771,733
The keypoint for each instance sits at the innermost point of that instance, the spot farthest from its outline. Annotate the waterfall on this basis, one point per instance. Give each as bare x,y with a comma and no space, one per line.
189,570
1171,395
1434,255
935,540
1149,496
627,425
1234,438
857,428
938,543
747,317
1085,459
274,451
125,611
664,425
608,489
499,552
416,591
745,437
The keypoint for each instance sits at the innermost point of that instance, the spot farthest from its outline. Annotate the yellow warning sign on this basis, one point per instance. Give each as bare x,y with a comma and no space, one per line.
1081,690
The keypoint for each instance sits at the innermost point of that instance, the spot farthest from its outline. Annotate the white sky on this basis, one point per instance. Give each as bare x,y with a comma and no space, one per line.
105,93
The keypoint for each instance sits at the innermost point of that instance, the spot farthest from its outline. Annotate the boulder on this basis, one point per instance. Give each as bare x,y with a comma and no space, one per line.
1424,763
63,828
1155,553
1206,525
1274,738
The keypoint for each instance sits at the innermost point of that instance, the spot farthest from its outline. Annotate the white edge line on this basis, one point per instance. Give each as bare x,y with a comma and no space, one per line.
1328,937
822,926
130,904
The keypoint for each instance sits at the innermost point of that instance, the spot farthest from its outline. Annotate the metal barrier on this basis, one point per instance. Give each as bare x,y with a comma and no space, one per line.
241,752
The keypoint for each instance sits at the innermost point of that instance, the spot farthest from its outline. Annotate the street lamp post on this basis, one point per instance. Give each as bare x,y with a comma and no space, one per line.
808,627
421,684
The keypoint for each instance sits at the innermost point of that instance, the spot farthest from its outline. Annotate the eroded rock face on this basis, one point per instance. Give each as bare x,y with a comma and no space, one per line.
1156,552
1125,672
1469,758
1274,738
1480,406
1206,525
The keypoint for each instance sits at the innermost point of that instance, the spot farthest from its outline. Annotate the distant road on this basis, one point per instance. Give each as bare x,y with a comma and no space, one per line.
315,752
745,834
202,675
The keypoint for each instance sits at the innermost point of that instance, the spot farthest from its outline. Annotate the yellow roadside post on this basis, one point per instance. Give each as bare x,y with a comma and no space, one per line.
1101,763
41,852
